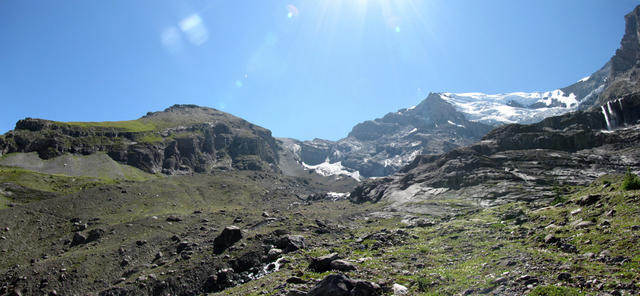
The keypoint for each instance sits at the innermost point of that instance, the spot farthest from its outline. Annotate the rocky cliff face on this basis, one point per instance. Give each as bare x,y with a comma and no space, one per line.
382,146
625,67
181,139
517,162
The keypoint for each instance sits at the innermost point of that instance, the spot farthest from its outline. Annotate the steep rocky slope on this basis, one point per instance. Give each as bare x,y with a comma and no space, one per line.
181,139
625,68
380,147
517,162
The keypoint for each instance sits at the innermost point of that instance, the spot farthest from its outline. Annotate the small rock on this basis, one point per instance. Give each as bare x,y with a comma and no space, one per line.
576,211
294,292
399,289
78,239
237,220
512,214
95,234
296,280
564,276
273,254
174,219
265,214
589,200
125,262
141,242
342,265
499,280
182,246
550,239
584,224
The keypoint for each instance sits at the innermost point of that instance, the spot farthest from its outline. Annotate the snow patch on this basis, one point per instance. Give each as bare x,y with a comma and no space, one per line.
585,79
329,169
453,123
411,108
413,130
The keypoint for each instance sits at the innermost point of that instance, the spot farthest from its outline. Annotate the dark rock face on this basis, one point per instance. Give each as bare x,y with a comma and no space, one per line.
198,140
229,236
517,162
625,73
382,146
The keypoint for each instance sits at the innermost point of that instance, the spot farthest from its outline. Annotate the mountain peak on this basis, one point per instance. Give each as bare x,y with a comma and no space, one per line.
625,69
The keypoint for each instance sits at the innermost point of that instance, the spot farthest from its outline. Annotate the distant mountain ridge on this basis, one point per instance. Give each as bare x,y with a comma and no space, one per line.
438,124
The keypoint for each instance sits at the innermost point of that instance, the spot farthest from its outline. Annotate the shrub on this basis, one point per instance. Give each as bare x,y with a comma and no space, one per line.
631,181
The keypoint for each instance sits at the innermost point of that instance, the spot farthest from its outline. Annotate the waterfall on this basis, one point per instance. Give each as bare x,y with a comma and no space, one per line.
606,117
613,113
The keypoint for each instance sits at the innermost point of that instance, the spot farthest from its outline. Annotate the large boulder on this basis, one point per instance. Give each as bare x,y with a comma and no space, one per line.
323,263
291,243
229,236
341,285
78,239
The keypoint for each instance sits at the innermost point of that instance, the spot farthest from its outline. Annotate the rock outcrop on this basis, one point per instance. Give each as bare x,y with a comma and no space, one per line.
181,139
625,69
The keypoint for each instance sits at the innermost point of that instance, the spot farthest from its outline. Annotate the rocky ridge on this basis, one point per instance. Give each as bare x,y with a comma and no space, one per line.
382,146
179,140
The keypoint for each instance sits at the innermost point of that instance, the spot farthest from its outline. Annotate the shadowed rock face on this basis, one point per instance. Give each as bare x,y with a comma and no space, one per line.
517,162
625,70
186,139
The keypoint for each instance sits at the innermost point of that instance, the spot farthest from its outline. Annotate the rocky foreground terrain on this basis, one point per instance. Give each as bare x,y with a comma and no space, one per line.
194,201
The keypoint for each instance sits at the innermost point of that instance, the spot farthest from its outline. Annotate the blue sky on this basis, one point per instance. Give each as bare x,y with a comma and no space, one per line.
303,69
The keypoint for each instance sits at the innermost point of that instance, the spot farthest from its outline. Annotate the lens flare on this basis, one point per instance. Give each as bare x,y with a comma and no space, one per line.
193,27
292,11
171,39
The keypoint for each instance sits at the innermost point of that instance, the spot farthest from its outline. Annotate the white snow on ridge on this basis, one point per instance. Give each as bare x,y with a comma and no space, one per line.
585,79
453,123
328,169
511,107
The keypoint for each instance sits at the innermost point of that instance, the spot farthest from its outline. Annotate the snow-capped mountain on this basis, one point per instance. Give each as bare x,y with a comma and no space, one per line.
438,124
526,108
